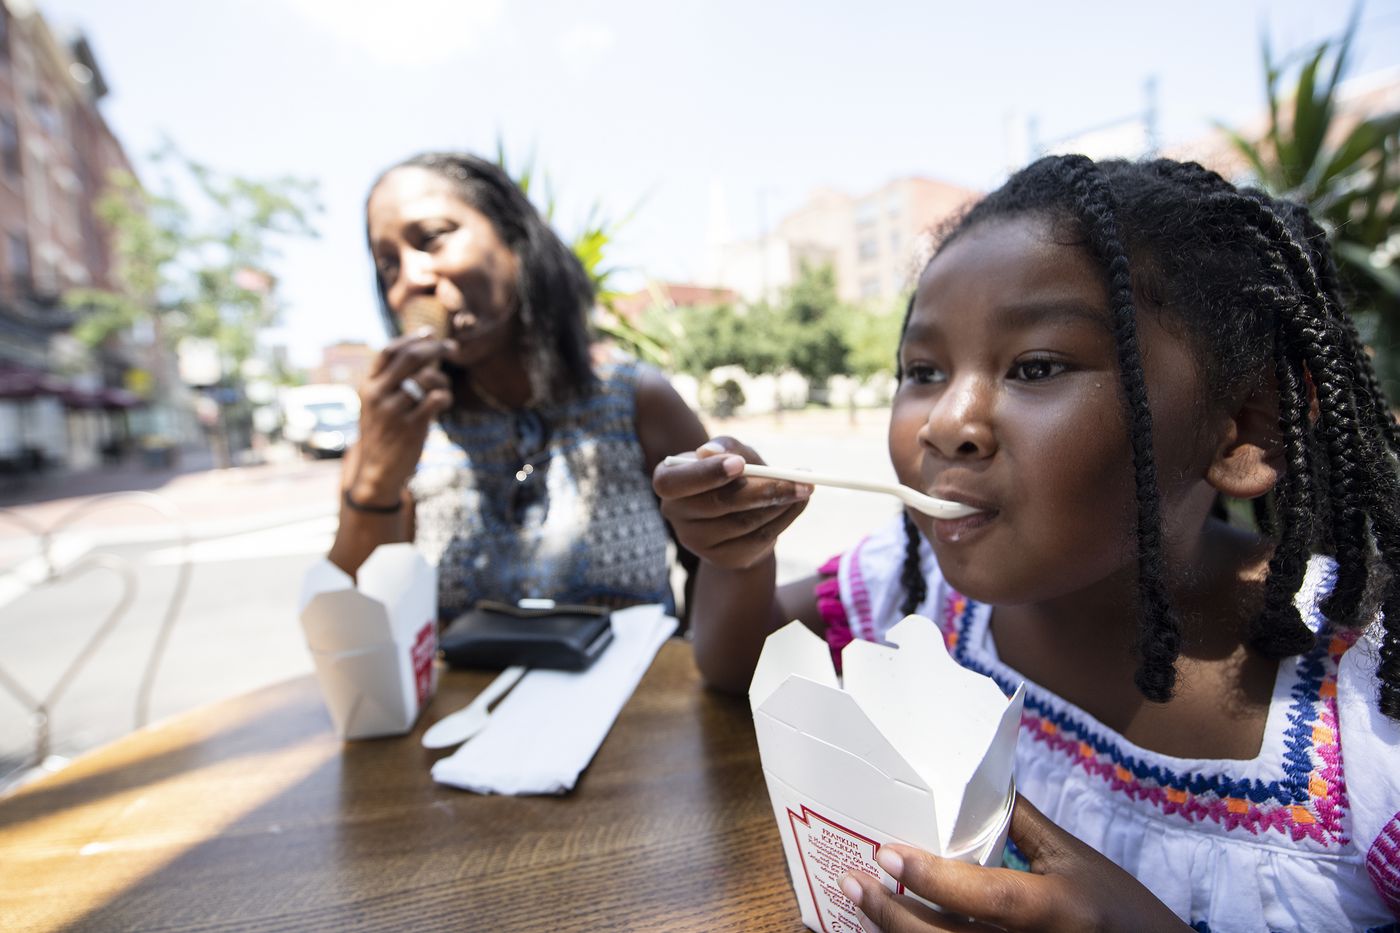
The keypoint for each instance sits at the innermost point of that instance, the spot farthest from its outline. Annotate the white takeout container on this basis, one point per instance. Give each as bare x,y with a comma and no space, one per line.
373,645
908,747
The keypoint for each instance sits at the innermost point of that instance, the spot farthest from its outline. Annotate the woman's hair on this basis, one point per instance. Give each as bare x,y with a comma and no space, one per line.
554,292
1252,281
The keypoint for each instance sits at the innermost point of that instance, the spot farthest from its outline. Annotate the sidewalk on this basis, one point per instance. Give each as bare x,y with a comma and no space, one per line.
205,499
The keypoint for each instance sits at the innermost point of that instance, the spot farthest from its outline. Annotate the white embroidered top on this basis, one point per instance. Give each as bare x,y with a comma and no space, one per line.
1306,836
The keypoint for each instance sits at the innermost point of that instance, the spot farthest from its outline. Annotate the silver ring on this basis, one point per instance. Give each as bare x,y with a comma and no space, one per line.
412,389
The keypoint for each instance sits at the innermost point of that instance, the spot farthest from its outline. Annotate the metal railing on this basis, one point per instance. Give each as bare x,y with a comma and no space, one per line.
55,571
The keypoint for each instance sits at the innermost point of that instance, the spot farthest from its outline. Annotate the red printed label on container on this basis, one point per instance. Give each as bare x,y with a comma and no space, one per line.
422,653
828,850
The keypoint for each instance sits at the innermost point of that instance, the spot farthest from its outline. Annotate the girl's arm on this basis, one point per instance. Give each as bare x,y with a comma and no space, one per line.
731,522
735,610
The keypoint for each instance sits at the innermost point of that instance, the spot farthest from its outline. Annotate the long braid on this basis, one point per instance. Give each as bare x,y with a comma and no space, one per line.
1338,427
1388,670
912,575
1352,409
1159,631
1308,319
1279,631
1307,306
1314,240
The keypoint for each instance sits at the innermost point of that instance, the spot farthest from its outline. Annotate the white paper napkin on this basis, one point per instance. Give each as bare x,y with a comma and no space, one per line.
542,736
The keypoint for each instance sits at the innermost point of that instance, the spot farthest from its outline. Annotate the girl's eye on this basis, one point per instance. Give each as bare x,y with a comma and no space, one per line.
923,374
1034,370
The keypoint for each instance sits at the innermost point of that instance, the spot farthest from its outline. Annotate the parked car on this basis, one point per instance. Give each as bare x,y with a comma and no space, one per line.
322,420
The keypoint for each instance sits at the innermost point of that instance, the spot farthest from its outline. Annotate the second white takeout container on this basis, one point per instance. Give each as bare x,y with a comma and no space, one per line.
373,644
908,747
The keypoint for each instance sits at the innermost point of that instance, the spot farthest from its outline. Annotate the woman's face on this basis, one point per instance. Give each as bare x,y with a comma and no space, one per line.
427,241
1010,402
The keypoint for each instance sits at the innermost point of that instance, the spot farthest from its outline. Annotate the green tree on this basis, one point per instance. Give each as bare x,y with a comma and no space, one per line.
1347,171
192,259
872,339
813,325
591,245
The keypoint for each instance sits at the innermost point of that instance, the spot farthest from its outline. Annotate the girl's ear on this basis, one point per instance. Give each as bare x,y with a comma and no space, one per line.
1248,461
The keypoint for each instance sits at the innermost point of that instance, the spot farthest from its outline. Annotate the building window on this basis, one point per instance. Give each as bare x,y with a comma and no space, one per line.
17,258
867,212
46,115
9,147
894,203
870,288
895,242
868,249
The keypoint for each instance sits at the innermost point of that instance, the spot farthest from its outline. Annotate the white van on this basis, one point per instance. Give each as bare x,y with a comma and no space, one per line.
321,420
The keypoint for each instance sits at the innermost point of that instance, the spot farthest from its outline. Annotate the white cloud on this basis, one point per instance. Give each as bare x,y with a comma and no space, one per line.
585,44
406,32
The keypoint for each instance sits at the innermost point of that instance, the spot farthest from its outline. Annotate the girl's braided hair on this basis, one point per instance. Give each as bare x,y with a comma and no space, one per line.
1253,282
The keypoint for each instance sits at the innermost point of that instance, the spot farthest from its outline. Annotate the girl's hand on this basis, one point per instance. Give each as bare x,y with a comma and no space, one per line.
394,425
1070,887
725,518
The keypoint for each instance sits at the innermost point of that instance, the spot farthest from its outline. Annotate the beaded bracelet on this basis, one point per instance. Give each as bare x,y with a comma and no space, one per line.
373,509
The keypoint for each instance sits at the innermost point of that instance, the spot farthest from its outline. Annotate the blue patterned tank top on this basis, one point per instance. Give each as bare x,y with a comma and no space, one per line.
550,502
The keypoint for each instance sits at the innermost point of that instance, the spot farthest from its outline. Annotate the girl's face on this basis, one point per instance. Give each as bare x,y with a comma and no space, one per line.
427,241
1010,402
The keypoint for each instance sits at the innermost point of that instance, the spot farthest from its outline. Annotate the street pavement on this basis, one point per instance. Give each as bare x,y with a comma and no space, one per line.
247,535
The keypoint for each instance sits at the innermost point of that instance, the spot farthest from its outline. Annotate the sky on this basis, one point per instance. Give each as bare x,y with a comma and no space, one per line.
655,109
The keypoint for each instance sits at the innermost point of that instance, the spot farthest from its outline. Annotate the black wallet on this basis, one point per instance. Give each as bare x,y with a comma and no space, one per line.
496,635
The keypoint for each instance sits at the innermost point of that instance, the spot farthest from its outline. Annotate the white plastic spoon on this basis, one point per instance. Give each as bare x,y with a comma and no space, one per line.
456,728
938,508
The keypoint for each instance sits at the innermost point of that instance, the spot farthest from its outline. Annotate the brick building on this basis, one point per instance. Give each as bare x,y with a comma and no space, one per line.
59,404
872,240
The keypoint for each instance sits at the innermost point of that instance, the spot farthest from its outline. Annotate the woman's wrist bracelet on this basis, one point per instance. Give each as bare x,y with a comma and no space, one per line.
369,507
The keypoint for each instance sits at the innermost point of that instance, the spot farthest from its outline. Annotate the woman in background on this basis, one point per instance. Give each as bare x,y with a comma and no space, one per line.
514,452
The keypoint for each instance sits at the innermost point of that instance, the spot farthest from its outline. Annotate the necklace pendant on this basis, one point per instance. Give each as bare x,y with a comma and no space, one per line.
522,474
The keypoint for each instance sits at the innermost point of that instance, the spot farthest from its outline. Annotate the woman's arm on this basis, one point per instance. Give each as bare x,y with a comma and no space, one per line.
360,532
375,507
665,423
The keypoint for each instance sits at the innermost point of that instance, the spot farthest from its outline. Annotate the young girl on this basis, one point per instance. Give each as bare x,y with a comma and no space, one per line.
1097,356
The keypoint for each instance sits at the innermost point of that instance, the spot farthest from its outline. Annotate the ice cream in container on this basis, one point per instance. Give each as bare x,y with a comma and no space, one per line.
905,746
373,643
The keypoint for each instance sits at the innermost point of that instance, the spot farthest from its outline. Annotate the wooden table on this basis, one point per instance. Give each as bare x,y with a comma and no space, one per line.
250,815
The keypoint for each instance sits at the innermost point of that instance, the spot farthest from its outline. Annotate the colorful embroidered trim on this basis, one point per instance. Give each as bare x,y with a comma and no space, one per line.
860,596
1383,864
838,627
1308,802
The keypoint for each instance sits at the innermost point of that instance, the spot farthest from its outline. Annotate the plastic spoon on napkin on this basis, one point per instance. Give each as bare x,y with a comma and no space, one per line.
938,508
456,728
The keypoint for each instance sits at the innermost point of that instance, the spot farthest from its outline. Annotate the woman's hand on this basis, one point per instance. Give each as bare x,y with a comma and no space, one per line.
1069,888
725,518
393,424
